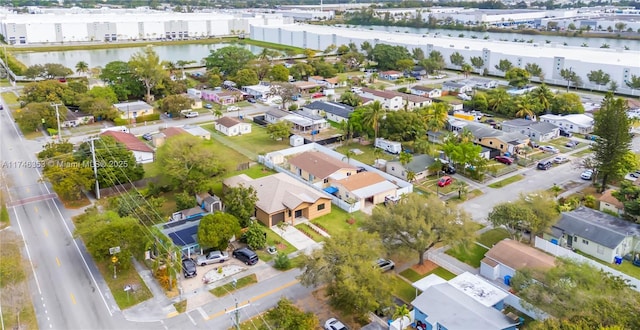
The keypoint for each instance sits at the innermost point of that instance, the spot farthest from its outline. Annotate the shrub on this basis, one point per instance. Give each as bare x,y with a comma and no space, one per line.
282,261
120,121
151,117
293,107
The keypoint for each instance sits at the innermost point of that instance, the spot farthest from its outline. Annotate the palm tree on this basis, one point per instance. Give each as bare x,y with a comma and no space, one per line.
498,98
466,69
544,96
372,116
181,64
217,112
465,136
169,65
82,67
423,146
348,155
411,176
437,116
377,152
524,107
400,313
405,158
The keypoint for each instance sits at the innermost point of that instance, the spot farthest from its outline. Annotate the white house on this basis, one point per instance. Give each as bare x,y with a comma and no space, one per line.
508,256
132,110
456,87
537,131
336,112
390,100
230,126
575,123
197,131
259,91
142,152
426,91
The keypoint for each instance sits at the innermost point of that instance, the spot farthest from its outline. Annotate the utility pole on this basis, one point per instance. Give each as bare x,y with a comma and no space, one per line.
95,166
56,105
236,311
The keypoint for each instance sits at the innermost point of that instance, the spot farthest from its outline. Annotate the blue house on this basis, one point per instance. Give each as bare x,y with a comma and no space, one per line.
182,229
465,302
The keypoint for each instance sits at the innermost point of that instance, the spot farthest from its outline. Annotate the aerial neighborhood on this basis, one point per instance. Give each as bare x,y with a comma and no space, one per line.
327,166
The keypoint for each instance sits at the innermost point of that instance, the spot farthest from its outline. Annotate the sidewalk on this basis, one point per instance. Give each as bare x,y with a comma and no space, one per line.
157,308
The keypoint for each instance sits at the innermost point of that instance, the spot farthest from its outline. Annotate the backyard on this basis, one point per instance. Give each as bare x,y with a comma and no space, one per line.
472,255
257,142
367,156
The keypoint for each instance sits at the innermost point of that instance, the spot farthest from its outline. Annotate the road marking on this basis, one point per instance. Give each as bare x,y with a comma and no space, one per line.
256,298
190,318
26,247
58,261
172,314
73,299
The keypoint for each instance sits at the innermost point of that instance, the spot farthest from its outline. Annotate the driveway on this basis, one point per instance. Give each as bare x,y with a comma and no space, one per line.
296,238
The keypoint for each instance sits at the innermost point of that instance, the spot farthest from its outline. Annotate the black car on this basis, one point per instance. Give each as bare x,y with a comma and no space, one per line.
245,255
565,133
189,267
147,136
449,169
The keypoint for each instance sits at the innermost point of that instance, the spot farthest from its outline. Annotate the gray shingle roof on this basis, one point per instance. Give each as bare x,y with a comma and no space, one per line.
597,227
418,163
541,127
338,109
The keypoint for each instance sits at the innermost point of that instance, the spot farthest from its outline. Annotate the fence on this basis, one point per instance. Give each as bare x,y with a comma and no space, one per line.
559,251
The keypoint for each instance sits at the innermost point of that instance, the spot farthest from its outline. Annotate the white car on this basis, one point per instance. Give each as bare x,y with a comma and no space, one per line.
550,149
560,159
191,114
233,108
334,324
587,175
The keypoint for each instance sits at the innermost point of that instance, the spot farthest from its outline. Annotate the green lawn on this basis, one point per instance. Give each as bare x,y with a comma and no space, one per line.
367,157
507,181
257,142
124,278
181,306
491,237
626,267
402,289
413,276
336,221
242,282
303,227
11,99
470,256
274,239
559,143
430,185
584,152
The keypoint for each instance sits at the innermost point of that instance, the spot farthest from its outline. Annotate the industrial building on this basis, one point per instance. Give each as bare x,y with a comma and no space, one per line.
124,25
552,58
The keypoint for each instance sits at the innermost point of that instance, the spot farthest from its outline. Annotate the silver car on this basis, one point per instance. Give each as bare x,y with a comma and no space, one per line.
212,258
385,264
334,324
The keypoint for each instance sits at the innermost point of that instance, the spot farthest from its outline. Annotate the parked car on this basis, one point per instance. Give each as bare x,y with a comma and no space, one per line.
208,106
565,133
560,159
534,144
245,255
550,149
212,258
587,175
189,267
571,144
448,168
504,160
544,165
334,324
147,136
62,80
233,108
444,181
317,95
251,100
385,264
491,121
191,114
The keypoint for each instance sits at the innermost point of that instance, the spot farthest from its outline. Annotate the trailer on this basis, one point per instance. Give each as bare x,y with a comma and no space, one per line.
391,147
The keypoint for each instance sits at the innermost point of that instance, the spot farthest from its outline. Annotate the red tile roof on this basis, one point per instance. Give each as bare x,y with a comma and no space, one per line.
129,140
173,131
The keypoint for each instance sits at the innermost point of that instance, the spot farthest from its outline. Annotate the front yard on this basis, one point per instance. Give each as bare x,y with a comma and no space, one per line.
126,277
281,245
337,221
257,142
507,181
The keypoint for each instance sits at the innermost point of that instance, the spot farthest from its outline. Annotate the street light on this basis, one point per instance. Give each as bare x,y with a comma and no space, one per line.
56,105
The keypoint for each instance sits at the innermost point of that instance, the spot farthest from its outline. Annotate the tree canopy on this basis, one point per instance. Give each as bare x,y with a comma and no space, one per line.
535,212
241,202
229,59
287,316
215,230
147,67
116,164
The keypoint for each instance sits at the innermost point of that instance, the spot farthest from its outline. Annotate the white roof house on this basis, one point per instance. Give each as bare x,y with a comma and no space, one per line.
576,123
197,131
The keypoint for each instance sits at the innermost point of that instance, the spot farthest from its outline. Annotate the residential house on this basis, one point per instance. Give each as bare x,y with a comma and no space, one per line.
197,131
333,111
141,151
426,91
418,72
305,87
182,229
282,198
224,97
301,121
511,142
452,87
575,123
390,100
390,75
159,138
419,166
609,203
465,302
456,105
327,82
319,168
537,131
194,92
209,203
260,91
595,233
131,110
76,118
196,102
412,101
364,188
508,256
365,100
230,126
480,83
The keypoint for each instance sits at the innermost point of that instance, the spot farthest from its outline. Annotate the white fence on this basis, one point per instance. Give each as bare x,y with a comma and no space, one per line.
559,251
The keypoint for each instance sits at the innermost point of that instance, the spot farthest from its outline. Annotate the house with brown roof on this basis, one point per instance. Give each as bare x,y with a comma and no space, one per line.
415,101
319,168
364,188
508,256
230,126
282,198
390,75
141,151
304,87
159,138
609,203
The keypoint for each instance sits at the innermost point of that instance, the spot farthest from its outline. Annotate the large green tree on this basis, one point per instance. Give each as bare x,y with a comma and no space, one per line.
119,76
504,65
116,164
229,60
245,77
534,212
174,104
215,230
31,117
599,77
62,170
280,130
279,73
347,269
387,56
241,202
403,126
287,316
517,77
147,67
457,59
187,162
611,125
579,293
418,223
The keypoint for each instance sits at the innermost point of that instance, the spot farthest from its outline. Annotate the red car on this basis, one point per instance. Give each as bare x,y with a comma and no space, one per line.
504,160
444,181
317,95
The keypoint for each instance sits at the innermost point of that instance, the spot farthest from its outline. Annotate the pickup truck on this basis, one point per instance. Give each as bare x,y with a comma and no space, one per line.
212,257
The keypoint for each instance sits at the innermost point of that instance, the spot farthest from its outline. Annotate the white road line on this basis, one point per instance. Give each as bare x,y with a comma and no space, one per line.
202,313
190,318
26,247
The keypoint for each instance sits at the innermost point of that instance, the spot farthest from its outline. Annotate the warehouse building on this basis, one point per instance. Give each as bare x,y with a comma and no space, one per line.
552,58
